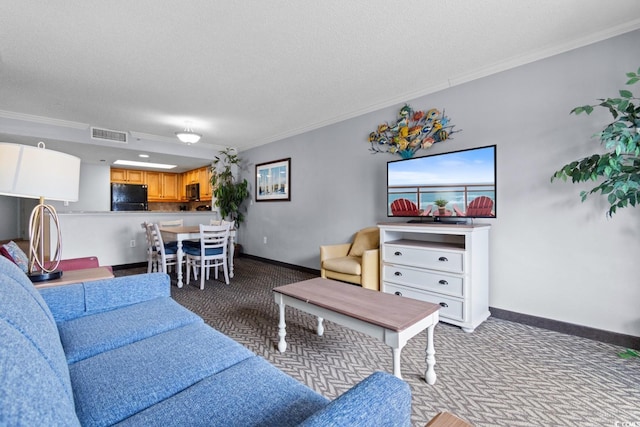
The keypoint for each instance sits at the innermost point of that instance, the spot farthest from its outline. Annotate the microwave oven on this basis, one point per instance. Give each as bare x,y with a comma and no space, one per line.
193,192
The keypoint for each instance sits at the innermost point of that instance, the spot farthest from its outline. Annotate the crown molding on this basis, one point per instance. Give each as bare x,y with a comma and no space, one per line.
42,120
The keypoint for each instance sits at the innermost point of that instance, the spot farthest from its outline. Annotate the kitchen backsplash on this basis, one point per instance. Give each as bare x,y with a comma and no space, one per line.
183,206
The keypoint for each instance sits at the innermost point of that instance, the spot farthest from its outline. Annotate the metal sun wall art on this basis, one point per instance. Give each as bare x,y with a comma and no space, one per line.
412,131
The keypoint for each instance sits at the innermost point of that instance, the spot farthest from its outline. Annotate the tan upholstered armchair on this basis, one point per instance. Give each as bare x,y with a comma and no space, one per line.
357,262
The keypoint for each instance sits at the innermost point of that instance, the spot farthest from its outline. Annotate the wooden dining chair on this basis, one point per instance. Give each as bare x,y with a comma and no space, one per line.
171,223
177,223
152,259
221,222
167,253
212,253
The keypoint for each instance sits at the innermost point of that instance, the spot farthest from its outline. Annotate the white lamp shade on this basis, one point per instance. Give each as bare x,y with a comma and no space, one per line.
35,172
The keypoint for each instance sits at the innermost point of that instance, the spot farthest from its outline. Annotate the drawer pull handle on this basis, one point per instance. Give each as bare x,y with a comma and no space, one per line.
397,253
443,282
443,259
397,273
398,293
444,304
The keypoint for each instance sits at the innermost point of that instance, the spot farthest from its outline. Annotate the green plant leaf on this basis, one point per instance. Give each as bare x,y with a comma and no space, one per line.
626,93
619,167
624,104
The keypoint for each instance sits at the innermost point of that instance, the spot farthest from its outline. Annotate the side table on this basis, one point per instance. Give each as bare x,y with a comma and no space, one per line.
78,276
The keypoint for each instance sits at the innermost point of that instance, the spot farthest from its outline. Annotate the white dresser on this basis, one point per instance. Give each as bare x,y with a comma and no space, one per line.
446,264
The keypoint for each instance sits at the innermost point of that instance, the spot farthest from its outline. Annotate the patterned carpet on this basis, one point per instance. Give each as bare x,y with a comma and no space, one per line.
503,374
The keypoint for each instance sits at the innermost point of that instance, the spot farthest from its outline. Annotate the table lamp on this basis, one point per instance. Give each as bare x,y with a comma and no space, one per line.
38,173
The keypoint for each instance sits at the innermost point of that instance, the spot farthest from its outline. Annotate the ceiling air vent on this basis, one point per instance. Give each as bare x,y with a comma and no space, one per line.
109,135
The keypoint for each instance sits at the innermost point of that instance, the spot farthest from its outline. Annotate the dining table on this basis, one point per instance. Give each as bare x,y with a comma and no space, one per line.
192,232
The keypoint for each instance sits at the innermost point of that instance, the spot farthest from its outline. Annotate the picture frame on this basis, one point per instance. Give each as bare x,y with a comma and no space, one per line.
273,181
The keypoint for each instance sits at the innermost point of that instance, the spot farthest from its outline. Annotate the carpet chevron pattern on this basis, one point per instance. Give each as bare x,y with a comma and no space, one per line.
503,374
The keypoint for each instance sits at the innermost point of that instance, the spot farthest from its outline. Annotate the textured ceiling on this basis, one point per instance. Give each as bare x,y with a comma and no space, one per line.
246,73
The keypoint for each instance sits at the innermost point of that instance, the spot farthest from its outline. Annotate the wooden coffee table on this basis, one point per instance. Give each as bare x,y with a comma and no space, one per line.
390,318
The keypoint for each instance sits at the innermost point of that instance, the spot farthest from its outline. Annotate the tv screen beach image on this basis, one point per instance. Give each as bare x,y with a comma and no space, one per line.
456,178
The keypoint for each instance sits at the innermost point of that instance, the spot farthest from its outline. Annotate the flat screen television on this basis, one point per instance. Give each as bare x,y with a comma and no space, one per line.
451,187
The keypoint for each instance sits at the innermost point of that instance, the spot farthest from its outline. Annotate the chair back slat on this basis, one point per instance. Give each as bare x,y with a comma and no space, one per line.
214,236
172,223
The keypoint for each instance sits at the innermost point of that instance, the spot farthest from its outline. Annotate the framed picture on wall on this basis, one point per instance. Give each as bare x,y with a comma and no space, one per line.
273,181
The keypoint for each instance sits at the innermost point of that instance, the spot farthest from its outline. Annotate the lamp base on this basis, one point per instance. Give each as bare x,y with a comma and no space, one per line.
39,276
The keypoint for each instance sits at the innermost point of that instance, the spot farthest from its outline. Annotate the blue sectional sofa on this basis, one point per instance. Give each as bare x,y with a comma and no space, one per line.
121,351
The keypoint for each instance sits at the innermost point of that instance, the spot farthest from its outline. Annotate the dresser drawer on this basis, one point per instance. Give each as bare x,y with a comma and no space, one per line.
449,308
428,280
436,259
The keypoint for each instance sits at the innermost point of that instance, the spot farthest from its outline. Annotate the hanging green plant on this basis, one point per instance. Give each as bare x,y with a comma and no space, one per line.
412,131
228,193
619,168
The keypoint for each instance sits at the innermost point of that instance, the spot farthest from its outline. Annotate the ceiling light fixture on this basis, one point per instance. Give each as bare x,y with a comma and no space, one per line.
143,164
188,136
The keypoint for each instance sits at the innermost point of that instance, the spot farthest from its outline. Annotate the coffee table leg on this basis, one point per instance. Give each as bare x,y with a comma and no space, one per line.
396,362
282,344
430,374
320,326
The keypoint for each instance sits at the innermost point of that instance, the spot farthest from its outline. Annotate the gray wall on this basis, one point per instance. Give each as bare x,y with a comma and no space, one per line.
10,223
551,255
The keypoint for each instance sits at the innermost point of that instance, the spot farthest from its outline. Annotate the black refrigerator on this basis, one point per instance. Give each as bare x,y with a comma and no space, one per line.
129,197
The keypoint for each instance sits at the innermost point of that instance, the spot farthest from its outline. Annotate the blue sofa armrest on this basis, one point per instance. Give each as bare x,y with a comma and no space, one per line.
71,301
379,400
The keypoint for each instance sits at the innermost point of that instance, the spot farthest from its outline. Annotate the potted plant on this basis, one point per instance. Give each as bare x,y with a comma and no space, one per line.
619,168
228,192
441,204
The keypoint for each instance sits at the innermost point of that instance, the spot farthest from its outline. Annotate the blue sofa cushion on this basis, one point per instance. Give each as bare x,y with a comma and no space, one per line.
89,335
102,295
65,305
393,410
251,392
32,393
71,301
23,310
112,386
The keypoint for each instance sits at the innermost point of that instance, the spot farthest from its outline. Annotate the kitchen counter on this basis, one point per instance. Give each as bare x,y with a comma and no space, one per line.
116,238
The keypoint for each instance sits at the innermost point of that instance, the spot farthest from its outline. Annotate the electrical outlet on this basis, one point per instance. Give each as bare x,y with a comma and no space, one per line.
265,240
132,243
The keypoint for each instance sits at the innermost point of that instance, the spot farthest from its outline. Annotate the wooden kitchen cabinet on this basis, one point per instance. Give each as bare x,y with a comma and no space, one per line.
128,176
170,186
200,176
205,183
162,187
191,177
